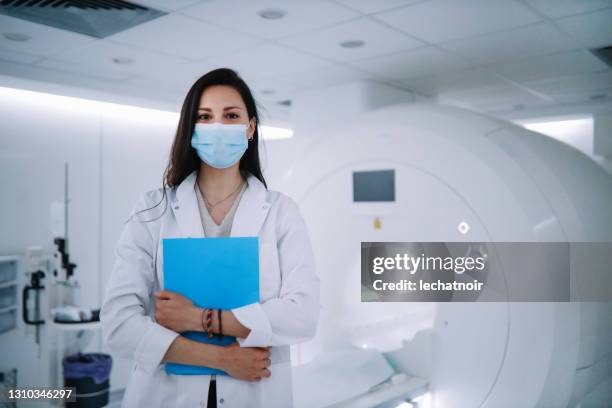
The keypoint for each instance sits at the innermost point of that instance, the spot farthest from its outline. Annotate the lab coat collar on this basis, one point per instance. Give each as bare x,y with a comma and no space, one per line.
248,218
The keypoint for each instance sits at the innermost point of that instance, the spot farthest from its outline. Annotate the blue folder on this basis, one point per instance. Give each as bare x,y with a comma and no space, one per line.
217,272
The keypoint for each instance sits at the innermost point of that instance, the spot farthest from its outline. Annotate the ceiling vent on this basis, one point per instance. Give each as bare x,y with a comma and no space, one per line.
95,18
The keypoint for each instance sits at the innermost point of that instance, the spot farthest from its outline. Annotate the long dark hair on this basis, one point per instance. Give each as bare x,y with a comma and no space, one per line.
183,157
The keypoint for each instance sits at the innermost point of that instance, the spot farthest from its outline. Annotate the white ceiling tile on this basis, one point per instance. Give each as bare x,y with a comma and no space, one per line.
19,57
176,88
499,97
592,29
300,16
410,64
267,60
183,77
179,79
173,82
443,20
324,77
550,66
182,36
82,70
572,84
97,59
44,40
454,81
561,8
271,90
165,5
602,95
526,41
369,6
378,40
50,78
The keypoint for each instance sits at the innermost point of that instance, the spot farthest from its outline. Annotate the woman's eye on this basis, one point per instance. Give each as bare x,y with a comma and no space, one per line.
203,117
232,116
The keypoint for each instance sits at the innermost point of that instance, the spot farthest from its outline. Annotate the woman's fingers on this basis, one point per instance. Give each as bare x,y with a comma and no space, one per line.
264,374
164,294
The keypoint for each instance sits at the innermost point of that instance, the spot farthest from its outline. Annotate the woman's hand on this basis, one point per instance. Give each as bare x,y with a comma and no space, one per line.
175,312
246,363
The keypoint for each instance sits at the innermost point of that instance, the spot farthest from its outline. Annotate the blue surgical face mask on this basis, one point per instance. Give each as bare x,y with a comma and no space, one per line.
219,145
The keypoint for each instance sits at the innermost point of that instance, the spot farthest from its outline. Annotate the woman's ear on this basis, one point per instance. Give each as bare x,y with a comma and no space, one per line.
251,129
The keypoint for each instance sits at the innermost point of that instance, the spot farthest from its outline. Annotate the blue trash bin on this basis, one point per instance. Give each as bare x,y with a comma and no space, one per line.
89,373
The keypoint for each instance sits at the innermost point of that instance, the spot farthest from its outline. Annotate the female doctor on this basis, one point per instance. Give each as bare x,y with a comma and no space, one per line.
213,186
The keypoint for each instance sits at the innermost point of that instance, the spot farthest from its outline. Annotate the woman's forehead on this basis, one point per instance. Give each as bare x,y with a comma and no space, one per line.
220,96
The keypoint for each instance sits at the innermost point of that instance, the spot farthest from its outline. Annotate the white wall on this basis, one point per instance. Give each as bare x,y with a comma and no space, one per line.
113,157
36,138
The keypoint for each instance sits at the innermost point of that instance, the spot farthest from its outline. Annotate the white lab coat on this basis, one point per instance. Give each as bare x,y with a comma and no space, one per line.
287,313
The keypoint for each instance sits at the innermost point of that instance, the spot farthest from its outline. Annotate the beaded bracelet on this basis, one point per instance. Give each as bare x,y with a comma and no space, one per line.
209,319
208,313
208,325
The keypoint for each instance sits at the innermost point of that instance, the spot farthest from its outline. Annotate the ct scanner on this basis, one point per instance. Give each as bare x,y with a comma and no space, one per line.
454,168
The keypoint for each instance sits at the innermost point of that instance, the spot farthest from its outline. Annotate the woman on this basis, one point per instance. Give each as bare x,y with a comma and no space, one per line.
213,186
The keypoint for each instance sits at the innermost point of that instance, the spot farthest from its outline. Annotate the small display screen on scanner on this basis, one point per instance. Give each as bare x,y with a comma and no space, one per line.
374,185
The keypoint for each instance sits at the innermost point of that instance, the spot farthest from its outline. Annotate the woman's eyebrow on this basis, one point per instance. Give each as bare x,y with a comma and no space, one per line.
226,108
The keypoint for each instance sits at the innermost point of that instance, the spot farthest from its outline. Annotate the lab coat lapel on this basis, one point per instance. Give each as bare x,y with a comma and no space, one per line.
252,210
186,209
248,218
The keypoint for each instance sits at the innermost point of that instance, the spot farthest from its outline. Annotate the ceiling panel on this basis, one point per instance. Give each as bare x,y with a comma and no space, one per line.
602,95
98,59
410,64
179,77
572,84
299,16
369,6
82,70
175,87
44,40
526,41
271,90
592,29
453,81
550,66
515,41
442,20
378,40
561,8
267,60
166,5
185,37
19,57
321,77
496,98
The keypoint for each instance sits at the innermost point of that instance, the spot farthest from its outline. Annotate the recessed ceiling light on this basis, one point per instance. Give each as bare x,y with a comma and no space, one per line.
352,44
272,14
123,60
16,37
267,91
